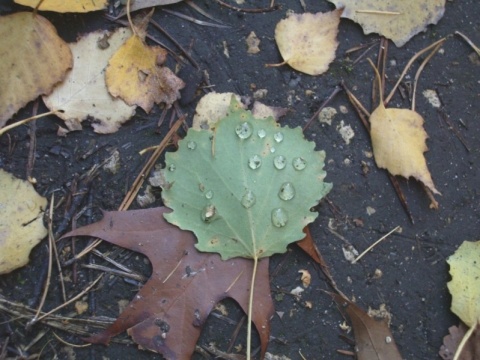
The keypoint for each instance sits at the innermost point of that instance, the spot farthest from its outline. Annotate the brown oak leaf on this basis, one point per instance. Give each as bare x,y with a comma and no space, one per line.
167,314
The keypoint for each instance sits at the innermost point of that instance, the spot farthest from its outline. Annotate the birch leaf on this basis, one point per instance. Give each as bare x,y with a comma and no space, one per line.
399,141
84,92
21,223
396,20
62,6
465,284
307,42
34,59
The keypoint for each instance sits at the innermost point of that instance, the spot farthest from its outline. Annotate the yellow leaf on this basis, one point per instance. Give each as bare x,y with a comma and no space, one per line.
211,108
21,223
465,284
135,75
397,20
64,6
84,92
33,57
307,42
399,141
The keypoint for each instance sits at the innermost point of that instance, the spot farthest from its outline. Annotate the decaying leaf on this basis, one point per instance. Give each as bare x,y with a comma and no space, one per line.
21,223
245,189
135,74
373,338
396,20
168,312
307,42
211,108
465,283
62,6
84,93
471,350
34,59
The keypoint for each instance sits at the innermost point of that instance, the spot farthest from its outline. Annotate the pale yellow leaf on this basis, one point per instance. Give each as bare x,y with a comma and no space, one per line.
307,42
33,60
64,6
399,141
84,93
135,74
465,284
211,108
21,223
398,20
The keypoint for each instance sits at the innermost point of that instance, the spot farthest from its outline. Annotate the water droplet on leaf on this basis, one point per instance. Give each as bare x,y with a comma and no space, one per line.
279,217
244,130
191,145
272,149
279,162
209,194
248,199
299,163
171,167
261,133
287,191
254,162
278,136
208,213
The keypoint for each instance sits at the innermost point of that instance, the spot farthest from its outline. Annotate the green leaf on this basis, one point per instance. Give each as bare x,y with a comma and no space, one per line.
245,189
465,284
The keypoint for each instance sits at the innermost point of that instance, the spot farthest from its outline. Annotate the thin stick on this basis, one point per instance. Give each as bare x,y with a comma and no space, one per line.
250,309
469,42
378,12
24,121
335,91
261,10
375,244
419,71
129,17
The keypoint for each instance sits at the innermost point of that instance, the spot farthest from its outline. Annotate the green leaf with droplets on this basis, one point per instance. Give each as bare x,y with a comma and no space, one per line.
245,189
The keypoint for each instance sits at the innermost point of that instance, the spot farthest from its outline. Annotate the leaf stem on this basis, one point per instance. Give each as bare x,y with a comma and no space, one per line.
250,307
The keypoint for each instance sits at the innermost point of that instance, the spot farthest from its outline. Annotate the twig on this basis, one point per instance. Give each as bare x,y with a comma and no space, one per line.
469,42
441,113
261,10
195,21
375,244
106,269
24,121
335,91
378,12
33,143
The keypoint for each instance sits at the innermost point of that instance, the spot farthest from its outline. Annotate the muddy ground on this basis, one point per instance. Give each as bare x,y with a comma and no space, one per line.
361,207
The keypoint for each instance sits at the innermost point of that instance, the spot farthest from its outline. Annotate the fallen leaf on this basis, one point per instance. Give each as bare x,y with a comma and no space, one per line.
399,141
21,222
34,59
211,108
373,338
84,93
465,283
396,20
135,74
262,111
253,43
62,6
169,311
471,350
307,42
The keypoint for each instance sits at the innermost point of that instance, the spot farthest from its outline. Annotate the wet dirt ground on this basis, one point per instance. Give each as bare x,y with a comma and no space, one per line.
361,207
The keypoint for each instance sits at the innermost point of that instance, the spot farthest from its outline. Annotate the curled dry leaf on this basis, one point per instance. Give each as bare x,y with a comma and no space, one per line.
396,20
84,93
135,74
21,223
34,59
62,6
169,311
307,42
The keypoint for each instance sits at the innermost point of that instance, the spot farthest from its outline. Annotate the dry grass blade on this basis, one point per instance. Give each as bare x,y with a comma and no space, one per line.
469,42
375,244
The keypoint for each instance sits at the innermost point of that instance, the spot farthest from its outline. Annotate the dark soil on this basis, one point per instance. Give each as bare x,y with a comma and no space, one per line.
413,262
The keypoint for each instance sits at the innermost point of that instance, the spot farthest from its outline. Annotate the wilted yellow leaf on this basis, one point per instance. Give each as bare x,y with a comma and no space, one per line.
135,74
307,42
21,223
84,92
465,284
33,60
397,20
64,6
399,141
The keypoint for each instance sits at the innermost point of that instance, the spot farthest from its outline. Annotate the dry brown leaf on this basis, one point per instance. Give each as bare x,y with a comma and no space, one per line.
84,93
63,6
135,74
307,42
396,20
399,141
34,59
471,350
21,223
